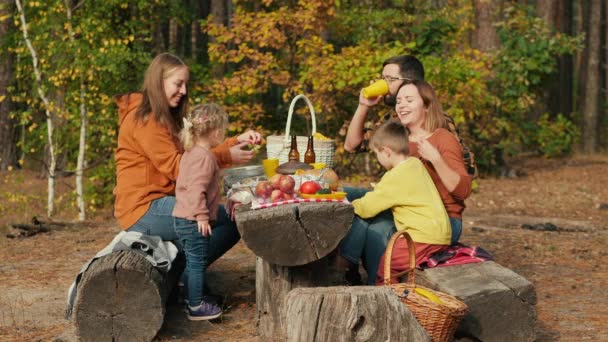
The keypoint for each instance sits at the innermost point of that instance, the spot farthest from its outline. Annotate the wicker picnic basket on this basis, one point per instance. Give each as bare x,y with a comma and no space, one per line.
439,317
277,146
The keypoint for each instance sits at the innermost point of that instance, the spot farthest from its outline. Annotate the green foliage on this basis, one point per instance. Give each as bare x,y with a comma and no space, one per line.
274,50
108,54
522,65
354,25
556,137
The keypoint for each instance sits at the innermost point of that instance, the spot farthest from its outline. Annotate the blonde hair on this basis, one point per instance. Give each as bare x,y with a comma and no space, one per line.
202,120
154,100
393,135
434,117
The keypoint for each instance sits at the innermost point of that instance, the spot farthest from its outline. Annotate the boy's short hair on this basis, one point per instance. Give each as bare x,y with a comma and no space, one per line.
391,134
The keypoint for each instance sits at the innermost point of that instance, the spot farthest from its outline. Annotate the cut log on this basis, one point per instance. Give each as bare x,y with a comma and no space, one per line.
501,302
294,234
291,242
273,283
121,297
362,313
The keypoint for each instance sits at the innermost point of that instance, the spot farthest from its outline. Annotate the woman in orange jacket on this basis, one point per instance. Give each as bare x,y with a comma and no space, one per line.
149,152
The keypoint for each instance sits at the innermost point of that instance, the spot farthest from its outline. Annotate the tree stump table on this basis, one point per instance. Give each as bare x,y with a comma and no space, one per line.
291,242
121,297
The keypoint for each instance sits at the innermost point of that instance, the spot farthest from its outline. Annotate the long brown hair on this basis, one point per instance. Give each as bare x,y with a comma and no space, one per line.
154,99
434,117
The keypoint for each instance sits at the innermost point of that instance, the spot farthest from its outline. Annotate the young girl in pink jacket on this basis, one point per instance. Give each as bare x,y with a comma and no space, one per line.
197,194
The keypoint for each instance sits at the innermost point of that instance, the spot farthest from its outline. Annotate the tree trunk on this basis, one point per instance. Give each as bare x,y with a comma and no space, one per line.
369,313
294,234
158,40
547,10
592,84
194,30
219,11
557,93
122,297
49,117
81,155
8,151
604,132
578,27
485,37
203,38
83,128
173,35
273,283
563,88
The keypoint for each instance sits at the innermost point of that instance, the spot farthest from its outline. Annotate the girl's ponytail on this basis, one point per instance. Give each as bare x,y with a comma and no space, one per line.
186,135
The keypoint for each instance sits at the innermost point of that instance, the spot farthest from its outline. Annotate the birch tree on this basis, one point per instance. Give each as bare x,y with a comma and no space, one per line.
83,125
47,111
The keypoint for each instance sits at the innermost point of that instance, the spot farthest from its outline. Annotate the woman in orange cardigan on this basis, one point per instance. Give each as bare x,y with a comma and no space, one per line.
148,154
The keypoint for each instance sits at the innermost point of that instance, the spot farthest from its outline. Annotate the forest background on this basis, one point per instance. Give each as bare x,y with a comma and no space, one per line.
517,76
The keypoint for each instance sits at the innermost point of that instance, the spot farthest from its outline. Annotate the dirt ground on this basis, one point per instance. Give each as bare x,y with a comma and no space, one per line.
568,263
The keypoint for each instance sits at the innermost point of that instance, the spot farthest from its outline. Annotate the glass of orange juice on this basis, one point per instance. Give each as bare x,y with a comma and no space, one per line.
270,167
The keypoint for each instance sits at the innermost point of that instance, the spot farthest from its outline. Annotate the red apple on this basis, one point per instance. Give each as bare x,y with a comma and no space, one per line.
276,195
286,184
288,196
309,187
274,180
263,189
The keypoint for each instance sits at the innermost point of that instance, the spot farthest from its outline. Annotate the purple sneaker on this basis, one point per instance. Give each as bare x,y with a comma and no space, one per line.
211,299
205,311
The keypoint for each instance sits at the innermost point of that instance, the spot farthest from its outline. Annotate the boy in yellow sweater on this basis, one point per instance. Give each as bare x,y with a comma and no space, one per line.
409,192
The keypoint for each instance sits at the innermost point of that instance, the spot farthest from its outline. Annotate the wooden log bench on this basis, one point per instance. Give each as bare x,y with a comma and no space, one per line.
501,302
122,297
291,243
361,313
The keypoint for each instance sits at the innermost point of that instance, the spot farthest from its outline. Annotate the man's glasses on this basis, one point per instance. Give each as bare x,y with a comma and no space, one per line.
391,79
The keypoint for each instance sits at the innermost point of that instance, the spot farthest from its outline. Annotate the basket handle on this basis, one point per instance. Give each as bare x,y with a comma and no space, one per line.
411,277
312,115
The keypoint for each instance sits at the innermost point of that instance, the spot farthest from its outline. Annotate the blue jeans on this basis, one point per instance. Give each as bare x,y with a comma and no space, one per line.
456,225
196,248
158,220
367,239
202,251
